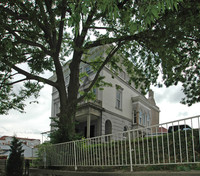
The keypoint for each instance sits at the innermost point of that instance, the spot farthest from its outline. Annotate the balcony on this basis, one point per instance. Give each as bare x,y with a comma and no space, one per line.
85,108
94,102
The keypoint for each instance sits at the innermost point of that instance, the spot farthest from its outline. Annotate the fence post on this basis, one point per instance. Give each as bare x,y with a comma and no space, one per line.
130,150
75,164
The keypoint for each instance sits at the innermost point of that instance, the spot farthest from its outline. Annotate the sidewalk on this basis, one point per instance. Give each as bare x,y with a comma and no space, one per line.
43,172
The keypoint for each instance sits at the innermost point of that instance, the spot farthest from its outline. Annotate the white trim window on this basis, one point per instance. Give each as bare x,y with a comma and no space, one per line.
94,90
56,108
88,69
144,119
119,99
148,119
140,117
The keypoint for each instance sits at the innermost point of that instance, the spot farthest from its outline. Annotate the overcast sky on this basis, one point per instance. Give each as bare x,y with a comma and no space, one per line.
36,119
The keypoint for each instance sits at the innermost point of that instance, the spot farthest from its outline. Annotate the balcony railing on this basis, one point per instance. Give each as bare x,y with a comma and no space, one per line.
95,102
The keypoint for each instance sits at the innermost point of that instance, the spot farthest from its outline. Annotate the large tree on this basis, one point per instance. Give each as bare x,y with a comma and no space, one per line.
38,36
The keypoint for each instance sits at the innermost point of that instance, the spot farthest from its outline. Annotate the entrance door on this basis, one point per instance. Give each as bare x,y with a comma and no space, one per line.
92,131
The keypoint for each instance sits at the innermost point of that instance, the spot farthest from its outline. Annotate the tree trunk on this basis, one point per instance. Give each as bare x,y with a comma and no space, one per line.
67,123
68,102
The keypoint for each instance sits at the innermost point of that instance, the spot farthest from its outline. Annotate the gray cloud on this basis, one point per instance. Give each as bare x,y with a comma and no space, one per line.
31,123
183,114
171,94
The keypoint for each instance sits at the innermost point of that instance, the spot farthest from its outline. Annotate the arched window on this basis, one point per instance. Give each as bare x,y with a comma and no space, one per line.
125,128
108,127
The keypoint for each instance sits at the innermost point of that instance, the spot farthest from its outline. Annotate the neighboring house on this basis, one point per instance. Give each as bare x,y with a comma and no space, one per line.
162,130
157,131
28,145
4,151
118,108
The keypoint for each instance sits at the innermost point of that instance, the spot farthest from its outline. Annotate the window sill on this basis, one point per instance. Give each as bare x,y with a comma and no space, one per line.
120,109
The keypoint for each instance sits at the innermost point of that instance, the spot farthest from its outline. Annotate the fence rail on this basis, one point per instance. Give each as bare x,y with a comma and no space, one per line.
175,142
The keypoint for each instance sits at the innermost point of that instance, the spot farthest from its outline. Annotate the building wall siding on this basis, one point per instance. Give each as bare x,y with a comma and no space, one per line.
109,96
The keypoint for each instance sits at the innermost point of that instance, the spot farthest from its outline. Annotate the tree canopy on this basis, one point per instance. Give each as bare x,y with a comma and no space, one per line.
38,36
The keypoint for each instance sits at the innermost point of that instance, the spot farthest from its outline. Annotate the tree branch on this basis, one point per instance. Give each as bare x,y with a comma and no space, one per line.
110,55
104,41
34,77
26,17
44,17
97,27
14,14
44,27
88,22
61,27
18,81
28,42
30,76
90,63
4,79
192,39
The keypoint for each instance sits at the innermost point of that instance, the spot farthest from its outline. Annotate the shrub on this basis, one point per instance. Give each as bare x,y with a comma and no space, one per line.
15,161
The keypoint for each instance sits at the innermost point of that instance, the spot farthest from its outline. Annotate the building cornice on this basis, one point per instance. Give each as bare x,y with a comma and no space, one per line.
115,114
144,101
92,105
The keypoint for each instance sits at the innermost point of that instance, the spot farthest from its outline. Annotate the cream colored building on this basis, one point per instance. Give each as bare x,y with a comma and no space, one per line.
116,109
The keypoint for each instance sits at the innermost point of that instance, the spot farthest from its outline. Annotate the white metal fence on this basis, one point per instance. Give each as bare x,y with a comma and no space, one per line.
176,142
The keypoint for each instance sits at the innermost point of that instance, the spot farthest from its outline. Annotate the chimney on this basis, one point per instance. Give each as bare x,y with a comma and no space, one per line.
151,94
151,97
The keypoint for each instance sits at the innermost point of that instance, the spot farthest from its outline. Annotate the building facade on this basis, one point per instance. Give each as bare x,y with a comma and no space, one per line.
117,108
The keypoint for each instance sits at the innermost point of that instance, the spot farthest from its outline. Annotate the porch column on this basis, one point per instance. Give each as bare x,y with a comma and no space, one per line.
88,125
